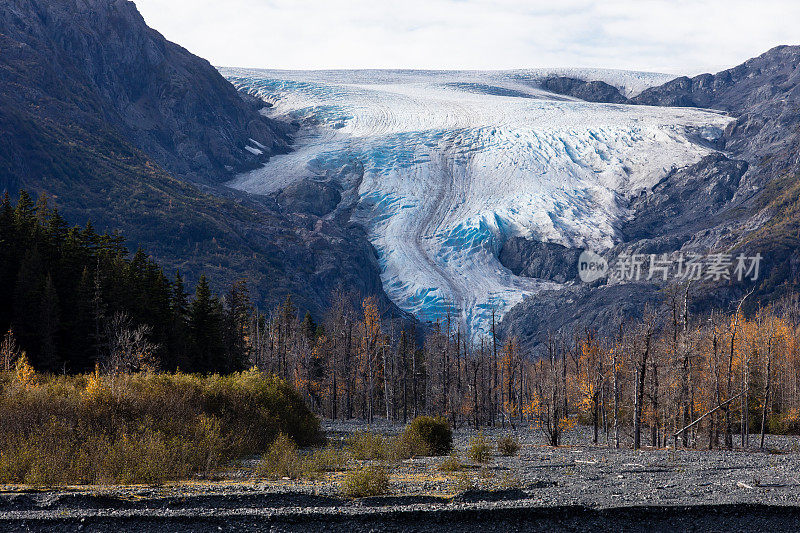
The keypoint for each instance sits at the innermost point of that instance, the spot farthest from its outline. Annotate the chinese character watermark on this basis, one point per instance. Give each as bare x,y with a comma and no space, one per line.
662,267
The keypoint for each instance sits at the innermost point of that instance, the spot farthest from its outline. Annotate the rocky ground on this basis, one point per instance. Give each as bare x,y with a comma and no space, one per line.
576,487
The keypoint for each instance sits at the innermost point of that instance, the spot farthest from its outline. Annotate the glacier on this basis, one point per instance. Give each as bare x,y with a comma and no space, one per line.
441,167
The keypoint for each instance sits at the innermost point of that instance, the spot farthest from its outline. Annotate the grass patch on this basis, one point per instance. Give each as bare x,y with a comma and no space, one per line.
365,482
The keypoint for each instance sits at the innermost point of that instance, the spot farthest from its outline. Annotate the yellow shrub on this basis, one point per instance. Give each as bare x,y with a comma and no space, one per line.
23,371
479,450
139,428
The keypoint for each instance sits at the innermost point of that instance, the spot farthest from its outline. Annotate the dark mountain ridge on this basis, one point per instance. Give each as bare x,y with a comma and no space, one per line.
84,60
119,126
590,91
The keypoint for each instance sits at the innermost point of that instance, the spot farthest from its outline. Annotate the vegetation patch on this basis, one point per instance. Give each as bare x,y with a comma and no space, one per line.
365,482
451,464
479,449
281,460
431,435
508,445
368,446
327,459
140,428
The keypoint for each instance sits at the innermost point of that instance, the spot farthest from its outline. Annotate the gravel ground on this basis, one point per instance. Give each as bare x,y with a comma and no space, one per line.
572,488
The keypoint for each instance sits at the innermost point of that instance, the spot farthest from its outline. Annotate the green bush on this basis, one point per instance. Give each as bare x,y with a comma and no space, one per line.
367,481
256,407
479,450
429,435
508,445
367,446
451,464
408,445
281,460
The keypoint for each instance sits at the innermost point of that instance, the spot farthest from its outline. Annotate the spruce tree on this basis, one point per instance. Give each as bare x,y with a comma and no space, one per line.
237,323
205,328
309,328
48,326
178,353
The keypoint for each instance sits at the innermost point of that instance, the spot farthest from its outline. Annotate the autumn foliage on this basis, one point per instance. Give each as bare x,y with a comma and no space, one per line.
642,385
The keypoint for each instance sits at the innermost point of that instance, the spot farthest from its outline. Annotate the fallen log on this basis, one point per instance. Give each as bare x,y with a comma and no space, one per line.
720,406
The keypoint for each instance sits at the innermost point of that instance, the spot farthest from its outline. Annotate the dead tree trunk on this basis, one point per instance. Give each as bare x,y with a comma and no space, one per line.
767,386
639,395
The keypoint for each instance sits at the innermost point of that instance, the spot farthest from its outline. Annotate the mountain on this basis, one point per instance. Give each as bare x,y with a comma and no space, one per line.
88,62
589,91
479,190
115,124
742,199
456,193
763,94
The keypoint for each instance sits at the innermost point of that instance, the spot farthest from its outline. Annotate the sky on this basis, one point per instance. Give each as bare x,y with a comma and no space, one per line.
672,36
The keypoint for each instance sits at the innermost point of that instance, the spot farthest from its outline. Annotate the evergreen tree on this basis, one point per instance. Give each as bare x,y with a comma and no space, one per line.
48,326
7,271
177,356
60,286
77,324
309,328
26,303
206,329
25,215
237,323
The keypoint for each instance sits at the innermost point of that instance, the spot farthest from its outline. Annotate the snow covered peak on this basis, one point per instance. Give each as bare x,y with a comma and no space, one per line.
446,166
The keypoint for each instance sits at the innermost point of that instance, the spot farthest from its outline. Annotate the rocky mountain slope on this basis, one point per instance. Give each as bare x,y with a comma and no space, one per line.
741,200
118,125
84,60
590,91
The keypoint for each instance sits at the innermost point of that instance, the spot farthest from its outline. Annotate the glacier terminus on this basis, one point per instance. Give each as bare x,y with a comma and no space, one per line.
441,167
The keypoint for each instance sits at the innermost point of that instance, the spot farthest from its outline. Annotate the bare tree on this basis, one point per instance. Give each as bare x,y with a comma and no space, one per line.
641,371
768,380
129,349
9,351
734,331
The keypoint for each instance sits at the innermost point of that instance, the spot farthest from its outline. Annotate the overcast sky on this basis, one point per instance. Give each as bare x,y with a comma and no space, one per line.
675,36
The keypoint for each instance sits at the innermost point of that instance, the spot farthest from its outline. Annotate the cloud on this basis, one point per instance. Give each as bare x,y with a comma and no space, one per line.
659,35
